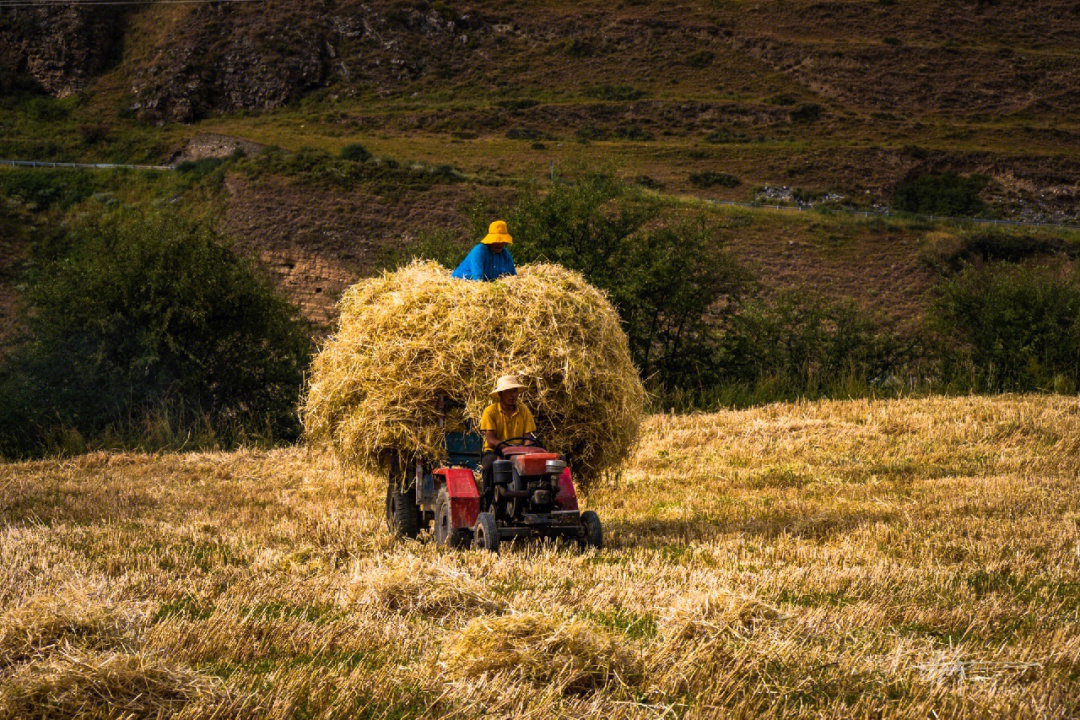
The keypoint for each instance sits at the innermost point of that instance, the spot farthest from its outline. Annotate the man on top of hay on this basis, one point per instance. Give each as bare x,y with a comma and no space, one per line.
503,419
490,259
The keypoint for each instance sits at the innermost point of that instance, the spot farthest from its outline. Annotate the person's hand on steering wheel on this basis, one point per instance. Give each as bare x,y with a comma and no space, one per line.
524,440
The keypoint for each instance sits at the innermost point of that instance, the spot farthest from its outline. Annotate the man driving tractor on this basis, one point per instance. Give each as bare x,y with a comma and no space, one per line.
503,419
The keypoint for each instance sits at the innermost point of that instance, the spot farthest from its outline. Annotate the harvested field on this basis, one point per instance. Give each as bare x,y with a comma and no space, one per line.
909,558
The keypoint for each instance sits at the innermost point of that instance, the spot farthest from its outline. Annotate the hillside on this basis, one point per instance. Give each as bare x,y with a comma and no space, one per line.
820,105
849,95
837,102
887,559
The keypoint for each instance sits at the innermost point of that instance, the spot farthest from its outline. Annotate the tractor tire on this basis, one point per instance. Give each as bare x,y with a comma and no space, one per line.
594,531
445,533
486,534
402,515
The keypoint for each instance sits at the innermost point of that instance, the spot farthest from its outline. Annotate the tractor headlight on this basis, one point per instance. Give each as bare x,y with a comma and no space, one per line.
554,467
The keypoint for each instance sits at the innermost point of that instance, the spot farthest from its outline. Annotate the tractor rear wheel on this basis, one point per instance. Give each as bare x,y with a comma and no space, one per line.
402,515
486,534
445,532
594,532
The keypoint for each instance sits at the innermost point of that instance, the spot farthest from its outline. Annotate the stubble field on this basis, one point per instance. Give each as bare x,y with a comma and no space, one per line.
908,558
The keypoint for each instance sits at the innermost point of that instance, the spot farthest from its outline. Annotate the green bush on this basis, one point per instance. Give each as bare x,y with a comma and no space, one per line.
355,152
994,245
46,109
526,133
664,278
516,104
709,179
45,187
196,170
806,113
133,318
806,345
615,93
1012,327
319,168
946,194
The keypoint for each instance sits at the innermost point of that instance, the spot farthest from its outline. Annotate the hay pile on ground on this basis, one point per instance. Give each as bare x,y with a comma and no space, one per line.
575,655
409,336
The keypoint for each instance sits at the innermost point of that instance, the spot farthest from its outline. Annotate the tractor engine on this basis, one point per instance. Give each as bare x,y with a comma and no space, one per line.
529,483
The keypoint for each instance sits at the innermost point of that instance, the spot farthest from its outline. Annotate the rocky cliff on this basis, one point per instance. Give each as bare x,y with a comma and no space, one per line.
59,48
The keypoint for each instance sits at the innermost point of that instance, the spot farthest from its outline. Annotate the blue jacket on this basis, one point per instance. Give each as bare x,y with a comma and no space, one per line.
482,264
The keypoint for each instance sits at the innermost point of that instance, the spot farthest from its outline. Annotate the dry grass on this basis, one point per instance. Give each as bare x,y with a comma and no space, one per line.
407,337
912,558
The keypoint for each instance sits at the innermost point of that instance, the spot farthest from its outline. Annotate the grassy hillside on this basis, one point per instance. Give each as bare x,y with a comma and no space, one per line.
842,102
888,559
848,95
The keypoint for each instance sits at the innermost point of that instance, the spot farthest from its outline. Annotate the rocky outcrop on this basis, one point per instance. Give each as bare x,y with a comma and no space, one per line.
213,146
59,48
262,57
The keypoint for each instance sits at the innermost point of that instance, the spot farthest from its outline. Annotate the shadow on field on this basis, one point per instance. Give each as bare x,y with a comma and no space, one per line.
819,527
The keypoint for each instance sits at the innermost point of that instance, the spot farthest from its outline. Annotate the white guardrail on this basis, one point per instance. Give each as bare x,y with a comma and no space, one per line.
87,166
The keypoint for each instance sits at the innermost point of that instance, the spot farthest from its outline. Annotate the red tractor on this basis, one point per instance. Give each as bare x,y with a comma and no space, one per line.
531,495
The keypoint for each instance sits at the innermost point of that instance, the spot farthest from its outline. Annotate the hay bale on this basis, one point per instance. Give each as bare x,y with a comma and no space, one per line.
79,683
410,585
407,337
575,655
714,614
46,621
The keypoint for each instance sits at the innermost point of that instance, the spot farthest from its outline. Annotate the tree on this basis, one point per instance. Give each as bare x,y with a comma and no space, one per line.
131,316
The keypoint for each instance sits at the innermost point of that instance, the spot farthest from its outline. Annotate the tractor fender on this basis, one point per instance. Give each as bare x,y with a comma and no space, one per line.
566,499
464,498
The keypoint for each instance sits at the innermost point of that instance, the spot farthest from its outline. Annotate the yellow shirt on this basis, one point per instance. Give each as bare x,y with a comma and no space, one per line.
517,424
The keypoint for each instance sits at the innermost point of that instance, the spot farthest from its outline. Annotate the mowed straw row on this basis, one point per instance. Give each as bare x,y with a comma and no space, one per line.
406,338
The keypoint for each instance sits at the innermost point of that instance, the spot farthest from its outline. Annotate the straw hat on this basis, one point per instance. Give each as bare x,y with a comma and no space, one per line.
497,233
506,382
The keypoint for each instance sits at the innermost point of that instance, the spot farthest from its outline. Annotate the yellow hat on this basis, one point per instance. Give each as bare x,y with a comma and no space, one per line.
506,382
497,233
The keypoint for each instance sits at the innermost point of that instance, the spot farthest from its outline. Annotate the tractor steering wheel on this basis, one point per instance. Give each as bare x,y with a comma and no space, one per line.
511,441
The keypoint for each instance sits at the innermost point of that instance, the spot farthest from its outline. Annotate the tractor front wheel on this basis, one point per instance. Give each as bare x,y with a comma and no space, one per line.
594,532
486,534
445,532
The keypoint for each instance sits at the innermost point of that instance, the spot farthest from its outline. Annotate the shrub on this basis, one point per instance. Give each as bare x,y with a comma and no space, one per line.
946,194
355,152
196,170
995,245
43,188
804,344
633,132
135,318
709,179
588,132
700,59
807,113
318,168
46,109
721,137
617,93
516,104
646,181
663,278
1017,328
93,133
523,133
